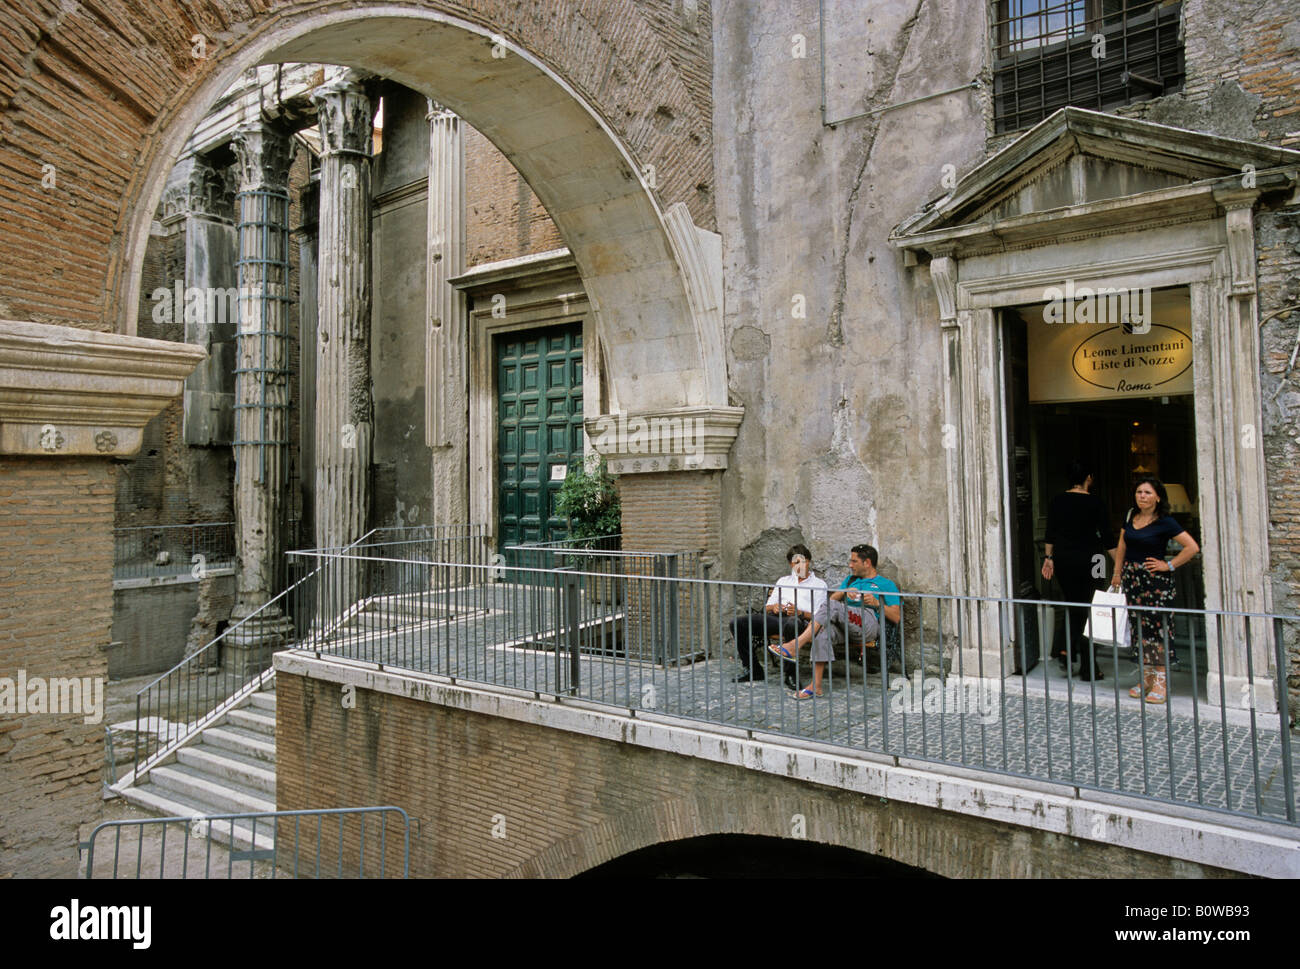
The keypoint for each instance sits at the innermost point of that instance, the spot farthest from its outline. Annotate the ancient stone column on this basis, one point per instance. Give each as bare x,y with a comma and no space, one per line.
261,388
446,354
344,408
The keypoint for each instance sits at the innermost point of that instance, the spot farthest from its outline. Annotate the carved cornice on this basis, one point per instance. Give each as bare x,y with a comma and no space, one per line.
680,439
265,155
344,116
66,391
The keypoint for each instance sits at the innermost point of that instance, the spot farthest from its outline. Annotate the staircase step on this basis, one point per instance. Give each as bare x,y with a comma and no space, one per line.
195,785
226,765
170,804
241,741
264,700
254,720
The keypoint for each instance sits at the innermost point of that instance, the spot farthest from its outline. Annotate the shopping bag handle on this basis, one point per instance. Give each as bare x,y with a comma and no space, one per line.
1115,588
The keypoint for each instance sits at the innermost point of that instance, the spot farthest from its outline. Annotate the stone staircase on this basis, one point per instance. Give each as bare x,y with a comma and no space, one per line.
228,769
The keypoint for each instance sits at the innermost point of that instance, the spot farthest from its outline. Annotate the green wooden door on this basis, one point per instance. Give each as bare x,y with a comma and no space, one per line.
539,429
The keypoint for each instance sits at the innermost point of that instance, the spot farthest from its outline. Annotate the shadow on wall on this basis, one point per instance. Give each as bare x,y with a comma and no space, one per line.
751,856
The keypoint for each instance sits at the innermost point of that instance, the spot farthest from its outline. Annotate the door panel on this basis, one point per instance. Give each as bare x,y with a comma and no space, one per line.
539,413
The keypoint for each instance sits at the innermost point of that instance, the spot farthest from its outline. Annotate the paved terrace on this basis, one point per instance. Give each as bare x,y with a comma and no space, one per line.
1089,735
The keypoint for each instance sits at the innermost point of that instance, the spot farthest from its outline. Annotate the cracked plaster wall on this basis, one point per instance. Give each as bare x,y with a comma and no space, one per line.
841,438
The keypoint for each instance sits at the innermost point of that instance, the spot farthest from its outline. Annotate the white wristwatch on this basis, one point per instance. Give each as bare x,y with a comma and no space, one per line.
1171,565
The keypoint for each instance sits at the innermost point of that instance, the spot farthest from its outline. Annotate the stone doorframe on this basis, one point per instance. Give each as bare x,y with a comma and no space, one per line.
531,292
1214,257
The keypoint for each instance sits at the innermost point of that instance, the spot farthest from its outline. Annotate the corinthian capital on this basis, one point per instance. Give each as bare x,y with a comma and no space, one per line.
345,118
265,155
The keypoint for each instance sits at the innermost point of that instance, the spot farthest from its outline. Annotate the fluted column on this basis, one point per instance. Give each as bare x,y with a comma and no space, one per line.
344,408
261,375
446,346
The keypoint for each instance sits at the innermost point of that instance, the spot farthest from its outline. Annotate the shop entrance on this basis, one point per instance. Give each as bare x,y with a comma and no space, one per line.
1115,392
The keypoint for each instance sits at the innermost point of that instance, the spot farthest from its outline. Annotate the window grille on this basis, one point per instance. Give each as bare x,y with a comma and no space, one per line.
1097,54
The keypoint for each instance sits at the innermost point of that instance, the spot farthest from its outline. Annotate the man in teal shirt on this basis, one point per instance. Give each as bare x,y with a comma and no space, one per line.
857,622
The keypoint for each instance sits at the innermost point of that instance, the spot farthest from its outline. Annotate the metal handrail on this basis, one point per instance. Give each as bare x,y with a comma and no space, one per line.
179,733
559,632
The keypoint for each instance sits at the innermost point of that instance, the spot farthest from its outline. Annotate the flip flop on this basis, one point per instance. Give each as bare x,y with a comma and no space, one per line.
806,694
780,651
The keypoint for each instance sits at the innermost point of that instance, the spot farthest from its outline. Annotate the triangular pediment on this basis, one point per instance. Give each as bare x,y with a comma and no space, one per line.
1077,158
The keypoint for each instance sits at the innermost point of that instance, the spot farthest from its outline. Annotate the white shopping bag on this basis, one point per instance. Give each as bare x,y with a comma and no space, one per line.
1108,620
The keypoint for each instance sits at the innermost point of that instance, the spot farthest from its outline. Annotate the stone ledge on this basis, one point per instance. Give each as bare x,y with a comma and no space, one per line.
679,439
1251,846
66,391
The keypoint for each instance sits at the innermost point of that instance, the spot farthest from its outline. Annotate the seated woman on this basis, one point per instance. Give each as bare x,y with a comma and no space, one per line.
789,608
835,623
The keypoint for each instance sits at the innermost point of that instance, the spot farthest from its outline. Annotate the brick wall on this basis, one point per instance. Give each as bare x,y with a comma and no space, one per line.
1257,47
56,563
491,797
672,511
128,76
503,218
1278,236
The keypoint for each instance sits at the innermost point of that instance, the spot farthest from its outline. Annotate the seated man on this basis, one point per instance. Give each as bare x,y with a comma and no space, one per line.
834,622
789,608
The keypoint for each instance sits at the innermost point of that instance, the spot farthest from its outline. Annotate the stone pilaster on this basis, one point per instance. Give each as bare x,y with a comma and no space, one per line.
344,406
446,353
261,383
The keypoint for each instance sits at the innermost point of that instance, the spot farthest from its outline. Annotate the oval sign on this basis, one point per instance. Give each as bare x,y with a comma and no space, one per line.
1127,363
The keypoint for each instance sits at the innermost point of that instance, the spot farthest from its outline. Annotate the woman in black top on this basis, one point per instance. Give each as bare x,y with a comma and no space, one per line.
1148,579
1077,532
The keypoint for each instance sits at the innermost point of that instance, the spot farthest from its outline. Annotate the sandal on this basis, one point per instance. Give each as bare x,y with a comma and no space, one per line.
780,651
806,694
1157,691
1142,688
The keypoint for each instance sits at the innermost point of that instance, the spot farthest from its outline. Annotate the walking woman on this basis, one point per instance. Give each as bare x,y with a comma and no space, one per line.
1148,579
1077,533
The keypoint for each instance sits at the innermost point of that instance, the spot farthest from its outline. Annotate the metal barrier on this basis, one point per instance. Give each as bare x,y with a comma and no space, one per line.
164,550
284,846
1221,742
200,689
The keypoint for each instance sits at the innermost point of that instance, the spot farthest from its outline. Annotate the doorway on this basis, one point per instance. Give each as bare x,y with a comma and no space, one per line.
539,428
1119,398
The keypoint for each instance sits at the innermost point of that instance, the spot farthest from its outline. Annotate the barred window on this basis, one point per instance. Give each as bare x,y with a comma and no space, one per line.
1096,54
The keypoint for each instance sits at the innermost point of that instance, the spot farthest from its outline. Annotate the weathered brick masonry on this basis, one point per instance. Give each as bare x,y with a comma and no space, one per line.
90,91
493,797
504,219
56,563
87,93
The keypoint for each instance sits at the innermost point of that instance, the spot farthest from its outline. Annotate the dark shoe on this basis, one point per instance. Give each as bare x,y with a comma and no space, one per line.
791,682
746,676
1097,674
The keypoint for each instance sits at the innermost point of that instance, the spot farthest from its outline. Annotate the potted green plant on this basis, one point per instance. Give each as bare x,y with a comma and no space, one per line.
588,498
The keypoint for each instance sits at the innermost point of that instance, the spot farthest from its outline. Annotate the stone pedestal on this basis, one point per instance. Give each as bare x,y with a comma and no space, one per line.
669,466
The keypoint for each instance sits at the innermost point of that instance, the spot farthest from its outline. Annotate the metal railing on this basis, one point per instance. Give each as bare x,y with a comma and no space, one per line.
167,550
294,844
1221,741
201,688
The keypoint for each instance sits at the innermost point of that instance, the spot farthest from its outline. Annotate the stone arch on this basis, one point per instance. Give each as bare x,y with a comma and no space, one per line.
616,147
836,819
